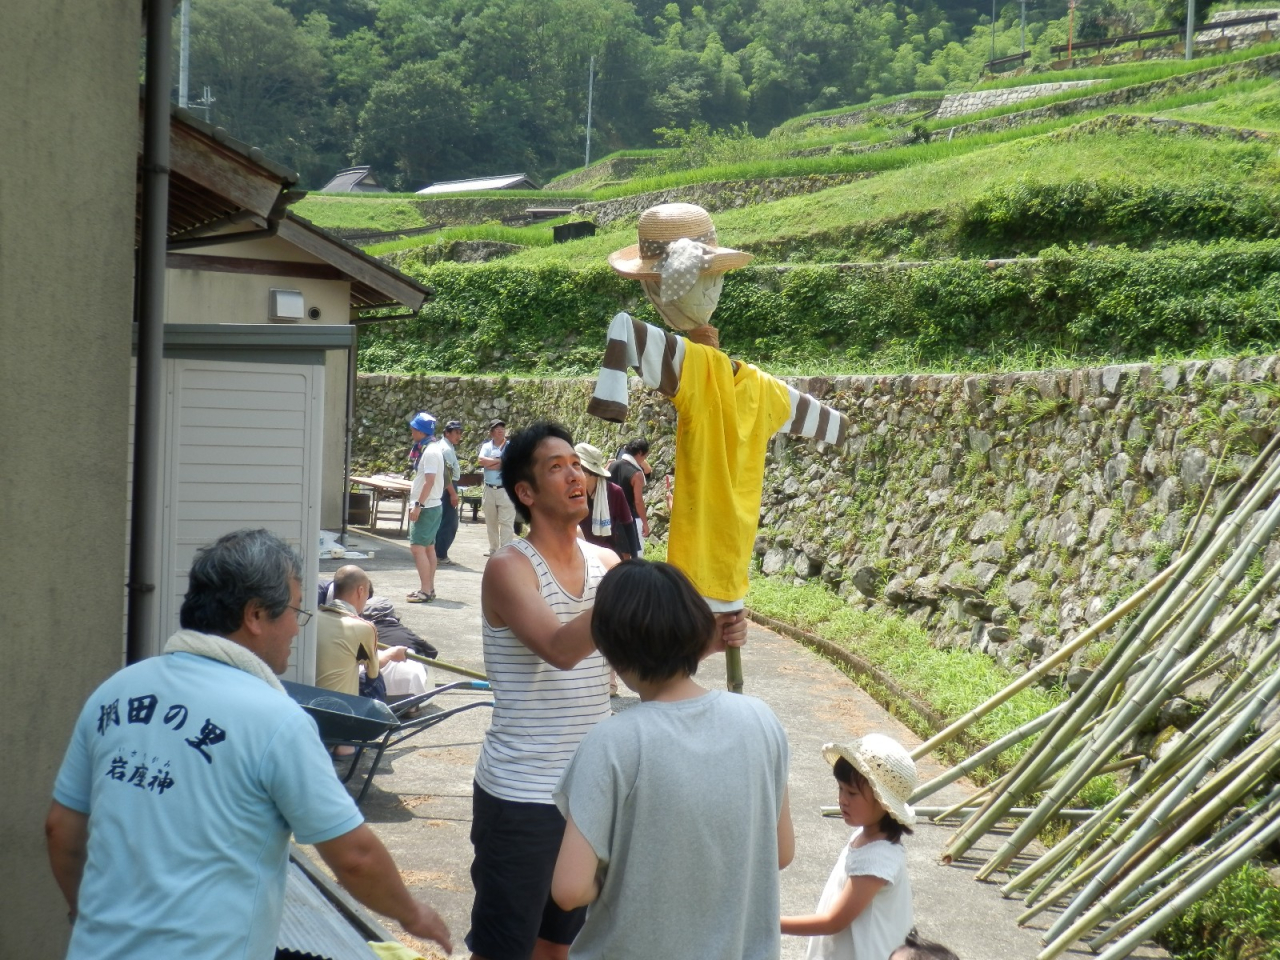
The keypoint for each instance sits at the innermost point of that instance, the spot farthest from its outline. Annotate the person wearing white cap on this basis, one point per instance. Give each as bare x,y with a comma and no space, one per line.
865,908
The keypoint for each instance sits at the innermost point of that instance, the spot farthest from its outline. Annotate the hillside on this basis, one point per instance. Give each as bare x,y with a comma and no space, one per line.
1131,219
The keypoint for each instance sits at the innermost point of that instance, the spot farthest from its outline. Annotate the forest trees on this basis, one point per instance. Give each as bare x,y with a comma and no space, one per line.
428,90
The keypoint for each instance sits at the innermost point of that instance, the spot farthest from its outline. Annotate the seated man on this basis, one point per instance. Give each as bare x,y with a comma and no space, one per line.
344,639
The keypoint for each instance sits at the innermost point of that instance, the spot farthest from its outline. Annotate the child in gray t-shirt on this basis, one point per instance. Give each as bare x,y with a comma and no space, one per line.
677,816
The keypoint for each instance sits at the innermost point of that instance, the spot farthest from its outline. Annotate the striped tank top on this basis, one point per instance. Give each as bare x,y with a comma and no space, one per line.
540,713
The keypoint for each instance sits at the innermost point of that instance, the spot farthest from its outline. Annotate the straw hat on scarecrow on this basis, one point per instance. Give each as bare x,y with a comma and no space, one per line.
679,262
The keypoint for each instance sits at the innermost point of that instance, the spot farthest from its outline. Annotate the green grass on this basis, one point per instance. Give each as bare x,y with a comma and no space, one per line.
934,178
1239,918
1254,105
538,235
360,213
1131,74
616,155
952,681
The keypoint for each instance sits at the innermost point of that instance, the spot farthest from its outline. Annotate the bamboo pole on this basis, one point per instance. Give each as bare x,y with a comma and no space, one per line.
1148,824
1083,836
1162,887
1219,801
1192,893
1047,665
1146,699
990,752
1171,596
440,664
1178,785
1150,624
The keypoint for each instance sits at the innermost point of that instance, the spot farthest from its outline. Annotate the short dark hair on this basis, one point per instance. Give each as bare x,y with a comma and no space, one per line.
918,948
240,567
649,620
517,458
638,445
348,580
851,776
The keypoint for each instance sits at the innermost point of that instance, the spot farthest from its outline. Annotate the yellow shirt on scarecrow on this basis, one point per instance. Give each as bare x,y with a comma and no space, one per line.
725,422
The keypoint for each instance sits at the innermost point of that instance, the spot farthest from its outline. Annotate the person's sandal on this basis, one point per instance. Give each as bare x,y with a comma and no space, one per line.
419,597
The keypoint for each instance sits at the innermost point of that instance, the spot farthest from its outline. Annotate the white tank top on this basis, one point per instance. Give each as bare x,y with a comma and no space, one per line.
540,713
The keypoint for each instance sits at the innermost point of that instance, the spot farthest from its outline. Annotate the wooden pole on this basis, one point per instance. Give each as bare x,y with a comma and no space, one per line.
449,667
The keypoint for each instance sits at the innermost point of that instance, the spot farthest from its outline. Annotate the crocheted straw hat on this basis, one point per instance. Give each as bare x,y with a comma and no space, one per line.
887,766
661,226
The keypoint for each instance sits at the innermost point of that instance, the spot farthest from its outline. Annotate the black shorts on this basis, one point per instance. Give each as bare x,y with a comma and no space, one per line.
516,845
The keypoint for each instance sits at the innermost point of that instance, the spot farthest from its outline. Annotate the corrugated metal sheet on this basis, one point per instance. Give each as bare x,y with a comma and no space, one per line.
514,181
312,928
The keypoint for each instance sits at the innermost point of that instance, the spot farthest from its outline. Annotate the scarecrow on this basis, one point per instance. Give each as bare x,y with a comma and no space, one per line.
727,410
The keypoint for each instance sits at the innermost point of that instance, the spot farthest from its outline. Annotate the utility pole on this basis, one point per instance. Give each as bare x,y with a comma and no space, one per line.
184,54
1024,26
591,76
1191,28
993,29
1071,27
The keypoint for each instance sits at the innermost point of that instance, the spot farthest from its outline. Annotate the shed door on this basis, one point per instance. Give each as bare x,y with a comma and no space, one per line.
243,444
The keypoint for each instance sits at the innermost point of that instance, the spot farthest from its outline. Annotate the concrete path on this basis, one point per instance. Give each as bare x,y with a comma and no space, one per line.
420,803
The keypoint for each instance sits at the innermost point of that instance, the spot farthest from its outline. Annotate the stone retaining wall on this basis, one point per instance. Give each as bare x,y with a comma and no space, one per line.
898,108
956,104
1004,513
720,195
1268,65
464,211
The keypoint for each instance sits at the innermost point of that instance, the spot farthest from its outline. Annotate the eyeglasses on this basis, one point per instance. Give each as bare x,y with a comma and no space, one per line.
303,615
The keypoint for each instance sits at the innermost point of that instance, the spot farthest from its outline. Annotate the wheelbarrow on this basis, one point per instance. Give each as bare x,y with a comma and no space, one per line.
367,724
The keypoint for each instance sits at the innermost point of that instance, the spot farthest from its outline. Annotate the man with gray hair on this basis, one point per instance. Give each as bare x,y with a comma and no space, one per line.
186,774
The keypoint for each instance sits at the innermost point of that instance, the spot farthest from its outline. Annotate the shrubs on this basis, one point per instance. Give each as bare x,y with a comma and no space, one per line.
1111,302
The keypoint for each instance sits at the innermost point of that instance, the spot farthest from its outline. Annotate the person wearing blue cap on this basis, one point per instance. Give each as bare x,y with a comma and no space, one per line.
425,511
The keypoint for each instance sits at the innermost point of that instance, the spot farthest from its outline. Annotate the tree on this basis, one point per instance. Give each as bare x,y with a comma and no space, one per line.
419,123
265,74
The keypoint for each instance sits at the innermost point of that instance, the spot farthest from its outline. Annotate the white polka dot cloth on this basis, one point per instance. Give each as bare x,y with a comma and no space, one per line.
680,267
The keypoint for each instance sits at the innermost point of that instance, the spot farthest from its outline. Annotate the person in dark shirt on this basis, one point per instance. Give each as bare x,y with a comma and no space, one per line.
609,521
629,472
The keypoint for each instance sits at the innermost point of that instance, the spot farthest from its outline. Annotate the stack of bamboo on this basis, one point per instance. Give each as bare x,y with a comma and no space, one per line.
1185,820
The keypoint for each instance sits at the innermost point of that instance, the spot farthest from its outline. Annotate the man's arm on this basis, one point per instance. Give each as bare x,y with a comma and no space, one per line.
362,865
66,833
509,596
637,487
428,481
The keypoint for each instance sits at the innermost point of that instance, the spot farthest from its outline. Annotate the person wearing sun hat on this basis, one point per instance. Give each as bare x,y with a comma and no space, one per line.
865,908
728,411
608,522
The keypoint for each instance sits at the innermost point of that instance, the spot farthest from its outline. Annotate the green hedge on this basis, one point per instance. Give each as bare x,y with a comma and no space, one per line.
1110,302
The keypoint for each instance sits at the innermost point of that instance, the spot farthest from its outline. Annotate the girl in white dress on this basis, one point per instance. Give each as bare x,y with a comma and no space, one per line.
865,909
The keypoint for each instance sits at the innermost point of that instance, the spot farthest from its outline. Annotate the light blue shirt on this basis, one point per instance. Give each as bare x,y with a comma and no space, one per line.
451,461
193,774
489,449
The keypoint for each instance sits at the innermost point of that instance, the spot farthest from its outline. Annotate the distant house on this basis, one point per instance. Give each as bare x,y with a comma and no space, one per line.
353,180
513,181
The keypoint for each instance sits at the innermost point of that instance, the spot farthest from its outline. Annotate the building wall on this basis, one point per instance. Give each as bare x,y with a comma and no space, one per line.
196,296
68,126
